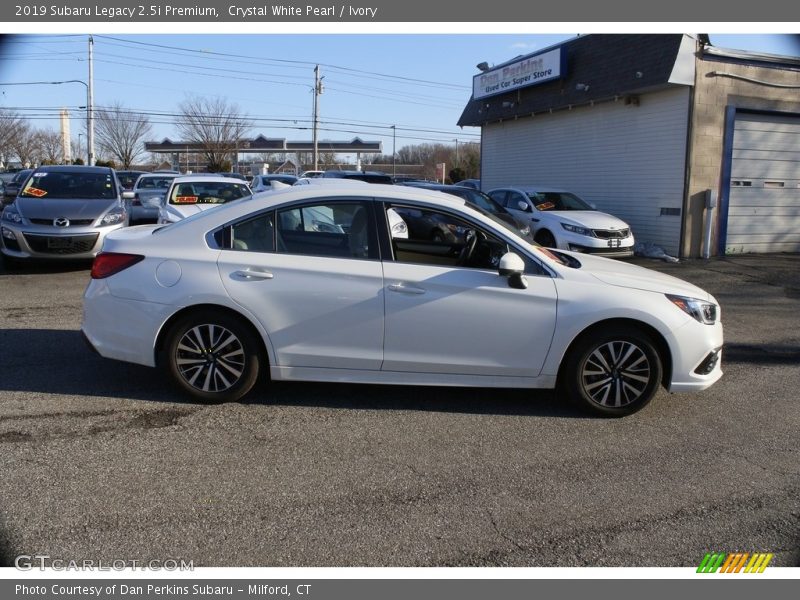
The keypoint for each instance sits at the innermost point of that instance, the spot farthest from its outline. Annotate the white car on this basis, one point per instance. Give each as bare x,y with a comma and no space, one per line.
193,194
258,289
560,219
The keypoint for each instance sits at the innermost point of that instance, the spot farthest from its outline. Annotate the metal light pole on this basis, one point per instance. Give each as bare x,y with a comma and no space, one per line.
90,106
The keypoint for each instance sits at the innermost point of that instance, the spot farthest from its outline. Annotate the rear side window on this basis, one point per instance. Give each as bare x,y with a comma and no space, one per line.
339,229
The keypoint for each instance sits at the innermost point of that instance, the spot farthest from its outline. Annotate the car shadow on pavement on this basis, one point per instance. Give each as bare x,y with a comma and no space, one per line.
34,267
59,362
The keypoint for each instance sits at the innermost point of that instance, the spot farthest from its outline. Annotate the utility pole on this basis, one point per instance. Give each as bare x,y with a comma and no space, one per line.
317,93
394,154
90,107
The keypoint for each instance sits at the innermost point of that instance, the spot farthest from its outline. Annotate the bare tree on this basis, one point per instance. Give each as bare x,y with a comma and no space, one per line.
216,125
11,125
26,145
121,133
51,148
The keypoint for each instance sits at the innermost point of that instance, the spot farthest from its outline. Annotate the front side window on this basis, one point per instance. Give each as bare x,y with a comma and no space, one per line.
500,196
439,238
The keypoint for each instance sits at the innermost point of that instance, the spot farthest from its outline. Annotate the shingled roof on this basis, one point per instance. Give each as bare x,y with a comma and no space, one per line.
611,65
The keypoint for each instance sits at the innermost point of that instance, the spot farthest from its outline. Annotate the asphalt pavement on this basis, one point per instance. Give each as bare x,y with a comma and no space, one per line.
102,460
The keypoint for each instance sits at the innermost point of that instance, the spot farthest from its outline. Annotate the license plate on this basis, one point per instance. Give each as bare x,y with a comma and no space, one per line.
614,243
59,243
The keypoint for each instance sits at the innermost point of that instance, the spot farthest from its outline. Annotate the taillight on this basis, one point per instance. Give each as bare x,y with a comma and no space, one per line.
107,264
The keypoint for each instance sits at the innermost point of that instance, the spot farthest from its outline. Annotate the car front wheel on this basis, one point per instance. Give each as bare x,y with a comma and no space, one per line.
213,357
612,373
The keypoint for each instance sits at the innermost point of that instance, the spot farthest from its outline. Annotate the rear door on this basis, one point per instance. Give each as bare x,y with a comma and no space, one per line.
311,275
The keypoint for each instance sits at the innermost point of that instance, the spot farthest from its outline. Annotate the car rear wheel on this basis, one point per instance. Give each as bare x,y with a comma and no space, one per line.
213,357
614,373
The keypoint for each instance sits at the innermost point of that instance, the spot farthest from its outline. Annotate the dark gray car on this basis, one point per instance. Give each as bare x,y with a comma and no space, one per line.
62,212
11,187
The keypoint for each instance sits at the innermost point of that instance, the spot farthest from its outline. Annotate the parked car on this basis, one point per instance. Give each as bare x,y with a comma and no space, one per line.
189,195
478,198
561,219
312,174
144,200
127,179
475,184
12,186
62,212
263,183
367,176
253,288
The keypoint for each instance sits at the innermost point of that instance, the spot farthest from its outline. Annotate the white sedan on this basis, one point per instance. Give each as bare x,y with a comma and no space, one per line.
257,288
560,219
192,194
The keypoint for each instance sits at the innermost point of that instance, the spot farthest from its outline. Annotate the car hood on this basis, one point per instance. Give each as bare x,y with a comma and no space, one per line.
592,219
36,208
615,272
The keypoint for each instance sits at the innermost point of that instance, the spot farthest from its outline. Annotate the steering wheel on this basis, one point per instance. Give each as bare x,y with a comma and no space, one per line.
470,243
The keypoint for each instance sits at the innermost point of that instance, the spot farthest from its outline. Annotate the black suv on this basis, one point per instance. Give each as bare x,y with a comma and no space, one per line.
368,176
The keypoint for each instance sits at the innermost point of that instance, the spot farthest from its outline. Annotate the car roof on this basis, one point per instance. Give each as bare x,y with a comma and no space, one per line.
206,179
71,169
528,188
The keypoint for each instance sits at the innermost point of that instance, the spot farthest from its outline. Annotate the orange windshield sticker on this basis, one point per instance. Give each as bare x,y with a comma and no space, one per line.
545,206
185,199
35,192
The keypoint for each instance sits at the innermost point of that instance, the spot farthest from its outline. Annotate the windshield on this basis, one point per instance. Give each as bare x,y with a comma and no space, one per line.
482,200
68,185
208,192
557,201
154,183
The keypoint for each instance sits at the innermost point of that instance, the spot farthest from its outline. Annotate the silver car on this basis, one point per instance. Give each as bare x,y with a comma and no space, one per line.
62,212
144,200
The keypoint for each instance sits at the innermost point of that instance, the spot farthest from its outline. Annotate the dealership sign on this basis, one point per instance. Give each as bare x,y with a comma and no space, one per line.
521,73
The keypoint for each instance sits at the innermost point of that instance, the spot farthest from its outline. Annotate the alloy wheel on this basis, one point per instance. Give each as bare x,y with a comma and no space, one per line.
616,374
210,358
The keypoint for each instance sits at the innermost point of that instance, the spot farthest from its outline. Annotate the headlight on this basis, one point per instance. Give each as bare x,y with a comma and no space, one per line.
578,230
113,217
701,311
12,216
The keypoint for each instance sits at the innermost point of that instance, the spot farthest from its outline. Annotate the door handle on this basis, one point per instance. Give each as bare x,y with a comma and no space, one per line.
403,288
248,274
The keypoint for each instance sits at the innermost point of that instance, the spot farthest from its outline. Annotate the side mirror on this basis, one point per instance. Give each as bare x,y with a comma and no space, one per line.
128,195
513,267
524,206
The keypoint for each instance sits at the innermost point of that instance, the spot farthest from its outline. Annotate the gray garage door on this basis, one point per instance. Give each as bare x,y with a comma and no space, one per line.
764,204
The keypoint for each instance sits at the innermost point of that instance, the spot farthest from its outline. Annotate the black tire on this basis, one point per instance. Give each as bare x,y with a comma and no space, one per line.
214,357
612,373
545,238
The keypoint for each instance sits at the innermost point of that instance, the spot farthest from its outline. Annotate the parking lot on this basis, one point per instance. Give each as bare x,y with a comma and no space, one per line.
104,461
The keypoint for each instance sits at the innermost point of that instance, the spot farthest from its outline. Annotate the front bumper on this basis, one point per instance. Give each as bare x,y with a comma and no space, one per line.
696,357
50,243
